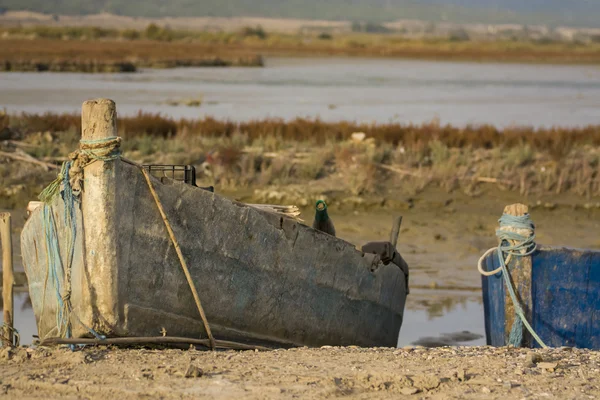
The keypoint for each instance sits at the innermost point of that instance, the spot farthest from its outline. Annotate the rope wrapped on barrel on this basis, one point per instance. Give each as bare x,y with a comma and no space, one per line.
521,231
71,178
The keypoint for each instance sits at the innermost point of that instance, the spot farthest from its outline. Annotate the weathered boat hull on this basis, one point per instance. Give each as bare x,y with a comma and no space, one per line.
262,279
562,298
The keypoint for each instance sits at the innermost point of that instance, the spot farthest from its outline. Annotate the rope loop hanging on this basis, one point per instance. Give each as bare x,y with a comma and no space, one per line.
520,231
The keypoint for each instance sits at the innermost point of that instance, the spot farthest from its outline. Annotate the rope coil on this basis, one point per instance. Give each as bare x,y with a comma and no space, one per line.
519,230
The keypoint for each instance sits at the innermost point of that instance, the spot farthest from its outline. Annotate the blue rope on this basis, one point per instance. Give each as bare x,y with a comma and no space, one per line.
55,269
524,246
57,273
69,214
55,265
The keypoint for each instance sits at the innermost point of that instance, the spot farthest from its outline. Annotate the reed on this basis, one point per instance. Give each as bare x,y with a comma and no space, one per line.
295,161
557,142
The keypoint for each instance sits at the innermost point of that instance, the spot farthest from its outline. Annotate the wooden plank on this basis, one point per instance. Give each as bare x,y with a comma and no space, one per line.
395,232
520,275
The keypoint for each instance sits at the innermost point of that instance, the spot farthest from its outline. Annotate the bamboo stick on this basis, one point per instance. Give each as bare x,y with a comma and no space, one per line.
395,231
181,259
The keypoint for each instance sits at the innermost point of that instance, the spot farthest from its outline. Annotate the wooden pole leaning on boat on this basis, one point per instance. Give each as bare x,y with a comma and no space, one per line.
520,275
7,279
181,259
395,231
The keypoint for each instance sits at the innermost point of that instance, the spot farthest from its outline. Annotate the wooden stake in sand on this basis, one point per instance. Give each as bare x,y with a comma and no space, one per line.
7,279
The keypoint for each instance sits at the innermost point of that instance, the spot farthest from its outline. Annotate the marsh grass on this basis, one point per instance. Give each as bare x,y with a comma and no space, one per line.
314,154
412,143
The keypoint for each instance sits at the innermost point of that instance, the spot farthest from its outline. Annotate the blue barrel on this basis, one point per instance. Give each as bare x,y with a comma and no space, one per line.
560,296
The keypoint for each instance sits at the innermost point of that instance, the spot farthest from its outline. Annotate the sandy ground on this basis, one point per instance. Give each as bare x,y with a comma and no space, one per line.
420,373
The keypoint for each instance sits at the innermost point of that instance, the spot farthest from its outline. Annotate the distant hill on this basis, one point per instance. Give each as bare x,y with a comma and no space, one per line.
552,12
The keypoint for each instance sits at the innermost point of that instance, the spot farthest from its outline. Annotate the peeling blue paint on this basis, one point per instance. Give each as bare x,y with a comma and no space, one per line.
565,298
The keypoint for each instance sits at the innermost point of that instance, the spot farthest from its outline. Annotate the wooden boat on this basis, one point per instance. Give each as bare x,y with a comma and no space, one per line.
109,266
558,289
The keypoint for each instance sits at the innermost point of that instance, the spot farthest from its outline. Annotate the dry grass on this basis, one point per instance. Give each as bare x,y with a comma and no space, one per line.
420,141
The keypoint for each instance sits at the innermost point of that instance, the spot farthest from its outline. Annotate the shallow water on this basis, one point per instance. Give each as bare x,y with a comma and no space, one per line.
24,320
333,89
429,328
456,319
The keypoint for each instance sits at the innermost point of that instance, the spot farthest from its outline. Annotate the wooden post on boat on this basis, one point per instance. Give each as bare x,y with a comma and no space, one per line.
98,206
395,231
7,278
520,274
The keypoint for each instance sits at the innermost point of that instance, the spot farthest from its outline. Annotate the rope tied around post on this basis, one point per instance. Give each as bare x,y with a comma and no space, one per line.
105,149
519,230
